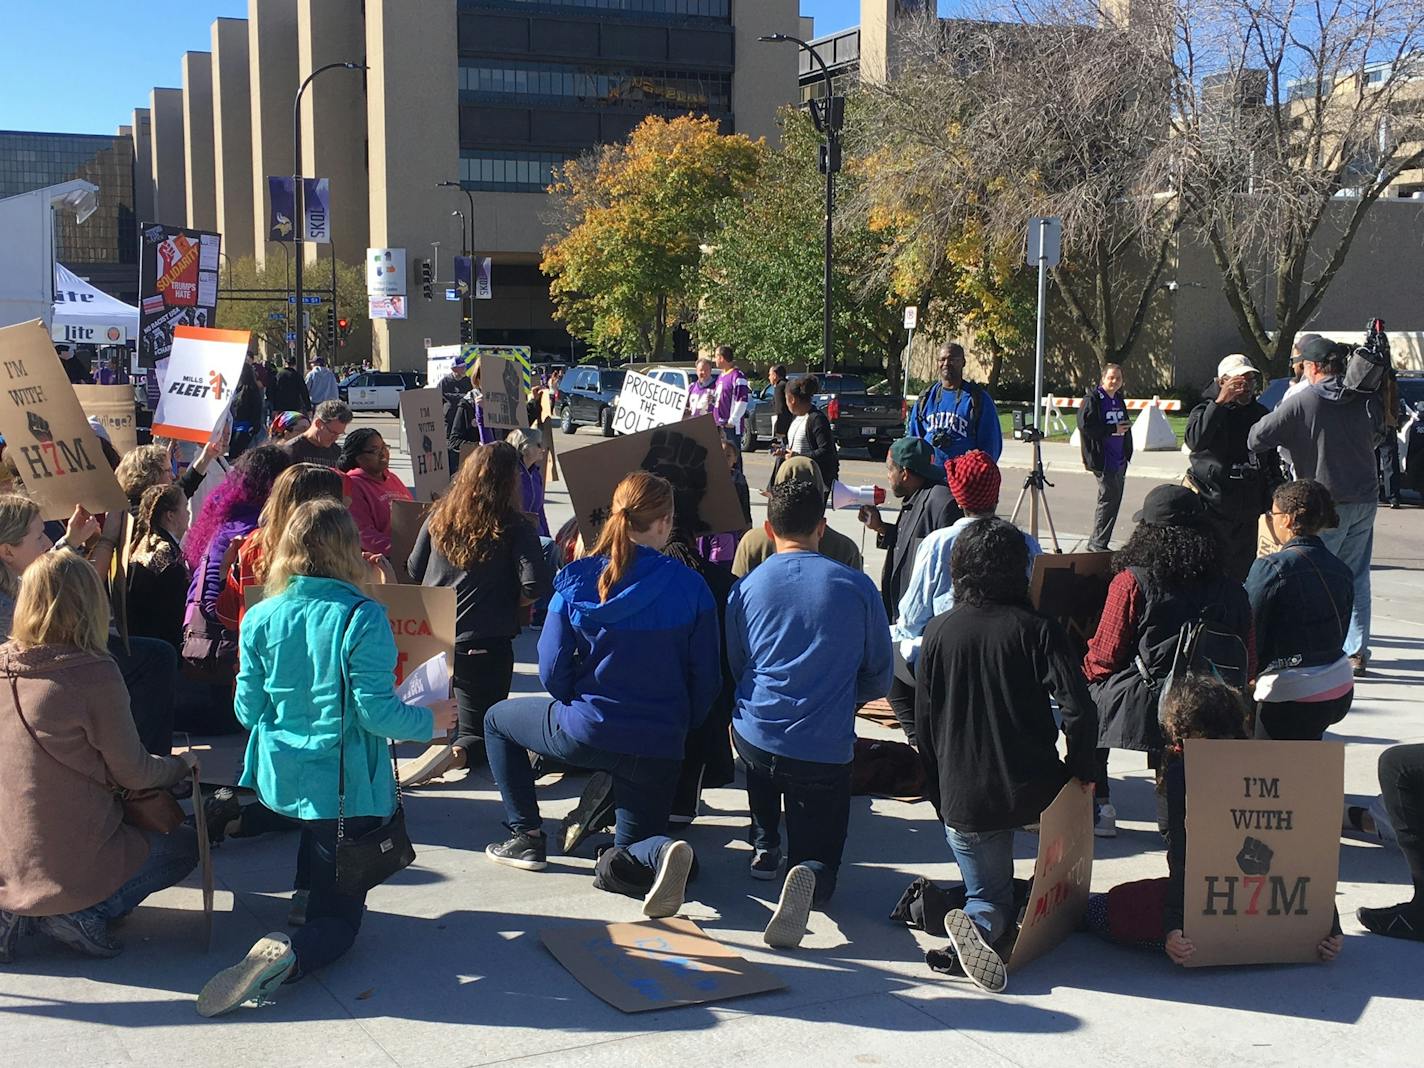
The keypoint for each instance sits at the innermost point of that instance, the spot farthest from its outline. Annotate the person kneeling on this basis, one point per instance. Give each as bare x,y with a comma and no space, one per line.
807,641
69,864
631,655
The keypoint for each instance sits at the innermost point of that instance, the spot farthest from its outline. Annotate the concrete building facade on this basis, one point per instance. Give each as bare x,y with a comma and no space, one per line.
232,137
142,135
198,178
272,83
168,167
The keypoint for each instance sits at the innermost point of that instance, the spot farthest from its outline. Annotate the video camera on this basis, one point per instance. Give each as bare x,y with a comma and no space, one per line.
1368,365
1024,430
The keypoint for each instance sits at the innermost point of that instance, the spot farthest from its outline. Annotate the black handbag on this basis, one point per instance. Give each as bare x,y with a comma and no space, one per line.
370,859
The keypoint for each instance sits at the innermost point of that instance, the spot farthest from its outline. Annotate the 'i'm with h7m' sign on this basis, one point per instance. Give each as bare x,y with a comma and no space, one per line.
203,370
645,403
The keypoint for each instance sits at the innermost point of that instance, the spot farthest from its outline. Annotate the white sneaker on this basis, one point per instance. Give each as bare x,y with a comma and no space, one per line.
1105,821
669,887
430,765
788,923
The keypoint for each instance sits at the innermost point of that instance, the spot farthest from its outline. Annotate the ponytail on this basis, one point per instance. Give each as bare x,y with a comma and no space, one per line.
640,500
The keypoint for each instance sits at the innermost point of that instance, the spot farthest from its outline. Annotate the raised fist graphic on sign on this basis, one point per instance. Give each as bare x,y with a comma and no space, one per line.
683,462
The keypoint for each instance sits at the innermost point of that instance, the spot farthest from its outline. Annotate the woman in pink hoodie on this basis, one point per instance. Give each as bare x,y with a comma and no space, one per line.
366,463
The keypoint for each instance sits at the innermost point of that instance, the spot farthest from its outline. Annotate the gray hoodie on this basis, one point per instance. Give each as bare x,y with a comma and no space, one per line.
1330,434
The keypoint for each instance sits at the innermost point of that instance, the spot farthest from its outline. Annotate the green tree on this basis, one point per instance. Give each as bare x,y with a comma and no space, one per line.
249,297
630,221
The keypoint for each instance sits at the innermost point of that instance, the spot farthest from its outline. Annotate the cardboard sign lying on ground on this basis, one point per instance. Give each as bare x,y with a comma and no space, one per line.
645,403
658,964
47,434
113,406
1062,875
1263,849
689,455
203,369
423,417
502,395
407,518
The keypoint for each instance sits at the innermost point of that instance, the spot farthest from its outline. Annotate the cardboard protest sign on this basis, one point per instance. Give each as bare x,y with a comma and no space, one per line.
689,455
658,964
645,403
1263,848
503,396
203,370
205,859
423,621
113,406
406,520
423,417
1072,588
46,432
1062,875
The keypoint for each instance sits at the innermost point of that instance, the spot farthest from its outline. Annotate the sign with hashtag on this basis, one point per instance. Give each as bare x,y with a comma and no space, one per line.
197,391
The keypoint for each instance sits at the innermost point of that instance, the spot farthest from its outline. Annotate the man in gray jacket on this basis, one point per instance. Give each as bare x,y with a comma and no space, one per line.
1330,434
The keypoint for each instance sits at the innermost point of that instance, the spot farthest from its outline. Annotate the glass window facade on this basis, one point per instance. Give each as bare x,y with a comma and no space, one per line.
647,90
508,171
713,9
34,160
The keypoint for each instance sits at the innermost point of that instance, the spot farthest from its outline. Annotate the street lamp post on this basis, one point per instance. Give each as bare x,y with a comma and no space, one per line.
299,343
829,123
467,302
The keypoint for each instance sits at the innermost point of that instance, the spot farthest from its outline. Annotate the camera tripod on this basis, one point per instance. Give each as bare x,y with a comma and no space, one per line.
1035,483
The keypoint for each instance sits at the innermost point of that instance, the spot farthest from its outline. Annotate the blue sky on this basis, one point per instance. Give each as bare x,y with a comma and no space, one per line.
82,66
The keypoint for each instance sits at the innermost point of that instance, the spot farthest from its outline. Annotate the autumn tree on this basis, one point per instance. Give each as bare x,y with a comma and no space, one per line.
629,222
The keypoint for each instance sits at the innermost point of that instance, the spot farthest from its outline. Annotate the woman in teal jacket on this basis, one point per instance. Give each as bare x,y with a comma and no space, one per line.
315,644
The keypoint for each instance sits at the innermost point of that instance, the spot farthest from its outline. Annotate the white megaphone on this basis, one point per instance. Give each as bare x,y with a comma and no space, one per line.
843,496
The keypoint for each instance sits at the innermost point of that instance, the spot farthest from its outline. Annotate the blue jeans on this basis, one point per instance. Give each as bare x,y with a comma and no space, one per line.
643,786
170,858
333,919
1353,541
817,810
150,671
986,864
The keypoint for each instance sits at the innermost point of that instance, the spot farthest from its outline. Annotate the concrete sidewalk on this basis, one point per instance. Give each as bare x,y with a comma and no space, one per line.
449,970
1059,456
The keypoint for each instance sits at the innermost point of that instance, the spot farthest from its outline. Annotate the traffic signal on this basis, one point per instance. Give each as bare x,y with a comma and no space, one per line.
343,327
331,328
427,280
467,332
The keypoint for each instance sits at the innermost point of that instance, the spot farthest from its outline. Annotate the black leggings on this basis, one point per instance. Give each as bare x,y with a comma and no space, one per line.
1300,721
1401,777
484,672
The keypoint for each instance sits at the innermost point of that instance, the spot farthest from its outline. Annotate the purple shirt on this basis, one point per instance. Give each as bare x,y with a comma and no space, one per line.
731,387
699,398
531,481
1114,415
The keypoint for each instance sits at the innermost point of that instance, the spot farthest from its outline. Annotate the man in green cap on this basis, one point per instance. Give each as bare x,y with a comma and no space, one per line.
927,505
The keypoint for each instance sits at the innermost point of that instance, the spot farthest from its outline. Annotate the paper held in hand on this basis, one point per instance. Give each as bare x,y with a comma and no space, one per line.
203,371
426,684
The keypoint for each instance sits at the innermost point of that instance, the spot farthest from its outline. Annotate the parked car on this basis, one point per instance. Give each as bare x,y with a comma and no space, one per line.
377,391
586,398
857,416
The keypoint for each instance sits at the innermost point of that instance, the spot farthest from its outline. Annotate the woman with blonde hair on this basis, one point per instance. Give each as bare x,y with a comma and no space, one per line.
68,744
530,446
478,541
317,690
631,655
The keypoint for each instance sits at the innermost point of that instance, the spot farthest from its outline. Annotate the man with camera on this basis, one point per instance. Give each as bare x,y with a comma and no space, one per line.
956,416
1329,432
1235,479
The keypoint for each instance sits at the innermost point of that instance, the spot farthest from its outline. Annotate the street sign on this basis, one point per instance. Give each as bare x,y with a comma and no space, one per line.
291,335
912,317
452,294
1045,232
276,316
307,298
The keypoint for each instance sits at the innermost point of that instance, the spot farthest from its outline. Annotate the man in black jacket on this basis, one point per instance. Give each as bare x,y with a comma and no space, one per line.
988,673
289,391
1104,435
1235,481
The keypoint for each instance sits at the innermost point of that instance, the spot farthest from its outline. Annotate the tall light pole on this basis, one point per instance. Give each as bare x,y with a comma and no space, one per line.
467,303
299,343
829,123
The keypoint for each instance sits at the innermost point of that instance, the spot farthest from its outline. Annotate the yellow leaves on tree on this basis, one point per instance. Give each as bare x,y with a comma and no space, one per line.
632,218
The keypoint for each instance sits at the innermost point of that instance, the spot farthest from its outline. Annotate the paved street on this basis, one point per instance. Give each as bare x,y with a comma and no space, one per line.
449,971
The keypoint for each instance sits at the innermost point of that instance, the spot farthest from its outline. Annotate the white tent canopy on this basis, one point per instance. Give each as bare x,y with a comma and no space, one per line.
84,315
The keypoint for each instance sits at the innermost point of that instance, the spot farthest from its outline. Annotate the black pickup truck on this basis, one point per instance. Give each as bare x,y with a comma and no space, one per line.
858,418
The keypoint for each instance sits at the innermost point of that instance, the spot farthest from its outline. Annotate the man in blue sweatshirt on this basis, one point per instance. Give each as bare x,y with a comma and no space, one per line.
956,416
807,642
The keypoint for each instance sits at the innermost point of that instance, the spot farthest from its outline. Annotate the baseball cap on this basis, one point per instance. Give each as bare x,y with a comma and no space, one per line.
1319,351
1235,364
1298,348
1171,506
974,480
916,455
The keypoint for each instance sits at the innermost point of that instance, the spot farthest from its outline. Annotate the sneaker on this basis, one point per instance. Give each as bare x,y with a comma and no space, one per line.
788,923
265,968
1397,921
765,864
666,895
1104,820
430,765
980,962
10,925
946,962
593,813
221,808
1359,664
86,931
521,850
687,802
297,913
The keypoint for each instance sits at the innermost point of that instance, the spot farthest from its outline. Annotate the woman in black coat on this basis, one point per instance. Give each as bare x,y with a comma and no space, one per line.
809,434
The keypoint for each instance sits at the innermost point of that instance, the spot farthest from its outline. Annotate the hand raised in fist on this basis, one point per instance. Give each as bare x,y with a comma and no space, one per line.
683,462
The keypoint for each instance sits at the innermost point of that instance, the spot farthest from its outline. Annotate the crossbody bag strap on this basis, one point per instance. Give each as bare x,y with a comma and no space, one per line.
1333,606
15,693
341,737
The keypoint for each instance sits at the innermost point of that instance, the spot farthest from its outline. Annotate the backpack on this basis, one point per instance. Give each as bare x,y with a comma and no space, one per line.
1204,647
1369,365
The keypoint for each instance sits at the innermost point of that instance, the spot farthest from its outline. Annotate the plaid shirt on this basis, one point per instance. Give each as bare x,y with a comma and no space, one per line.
1115,643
